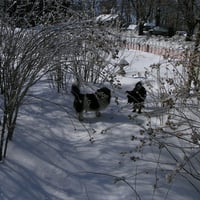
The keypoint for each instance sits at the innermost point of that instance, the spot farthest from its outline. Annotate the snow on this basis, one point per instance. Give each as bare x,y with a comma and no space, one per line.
106,17
132,27
53,156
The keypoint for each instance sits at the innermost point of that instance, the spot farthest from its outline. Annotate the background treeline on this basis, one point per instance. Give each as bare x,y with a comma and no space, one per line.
177,14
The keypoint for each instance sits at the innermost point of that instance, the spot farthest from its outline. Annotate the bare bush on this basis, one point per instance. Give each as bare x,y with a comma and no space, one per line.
86,53
26,56
177,138
70,49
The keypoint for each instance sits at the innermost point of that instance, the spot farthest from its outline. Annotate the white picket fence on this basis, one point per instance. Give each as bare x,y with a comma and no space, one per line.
164,47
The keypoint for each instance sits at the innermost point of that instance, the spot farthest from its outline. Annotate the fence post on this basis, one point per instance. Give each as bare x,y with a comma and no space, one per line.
147,48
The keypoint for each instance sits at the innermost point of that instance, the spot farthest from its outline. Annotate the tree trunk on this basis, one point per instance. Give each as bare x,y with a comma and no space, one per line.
3,131
12,118
140,29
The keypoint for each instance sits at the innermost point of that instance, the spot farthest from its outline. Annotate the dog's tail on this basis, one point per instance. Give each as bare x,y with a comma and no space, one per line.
76,91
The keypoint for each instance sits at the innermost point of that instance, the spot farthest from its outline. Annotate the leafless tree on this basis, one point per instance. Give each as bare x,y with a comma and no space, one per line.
190,12
142,10
193,65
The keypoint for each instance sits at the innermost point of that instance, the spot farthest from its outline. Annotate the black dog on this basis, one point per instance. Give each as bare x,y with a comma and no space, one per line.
137,97
90,102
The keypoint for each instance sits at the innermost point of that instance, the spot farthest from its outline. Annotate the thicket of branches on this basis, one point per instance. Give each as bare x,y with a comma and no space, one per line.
25,58
86,55
75,48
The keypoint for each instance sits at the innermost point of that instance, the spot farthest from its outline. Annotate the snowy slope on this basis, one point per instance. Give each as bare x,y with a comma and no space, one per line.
55,157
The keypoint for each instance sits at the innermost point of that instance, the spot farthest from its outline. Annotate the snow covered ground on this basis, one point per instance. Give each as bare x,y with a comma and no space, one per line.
53,156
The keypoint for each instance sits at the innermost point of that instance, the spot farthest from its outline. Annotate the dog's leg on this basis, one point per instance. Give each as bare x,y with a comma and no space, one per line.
134,107
80,116
98,114
139,108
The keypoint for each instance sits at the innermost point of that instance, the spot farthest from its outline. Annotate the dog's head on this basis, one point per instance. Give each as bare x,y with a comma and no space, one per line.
138,85
104,94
